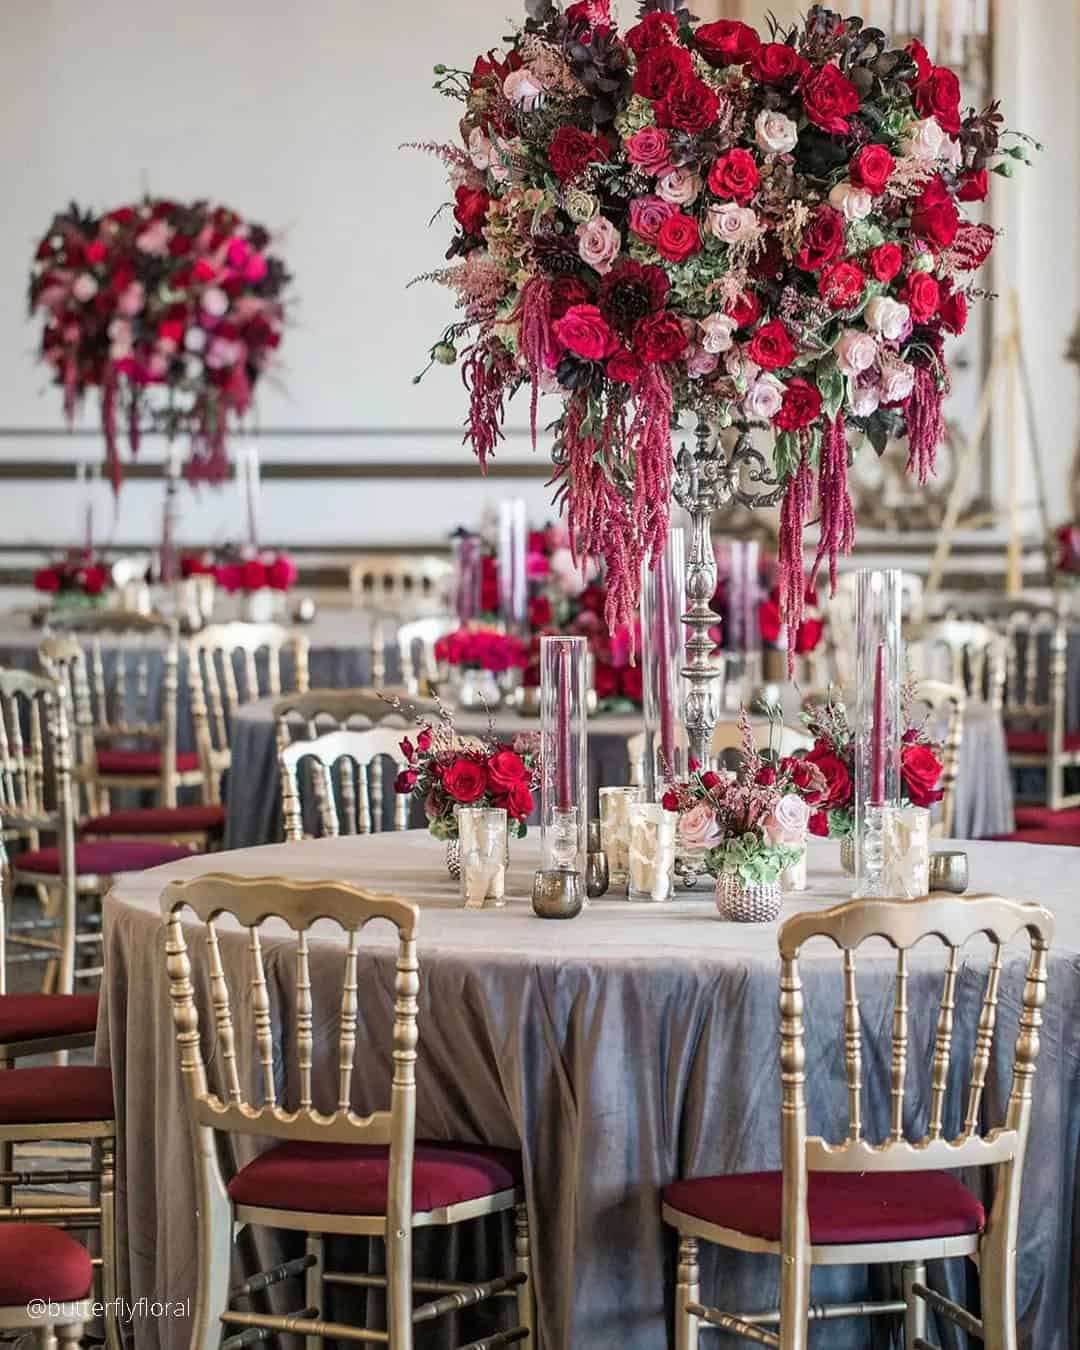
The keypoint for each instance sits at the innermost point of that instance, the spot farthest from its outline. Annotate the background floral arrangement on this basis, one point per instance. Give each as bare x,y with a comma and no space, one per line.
1067,552
78,573
808,634
445,770
235,569
477,646
833,756
765,232
171,311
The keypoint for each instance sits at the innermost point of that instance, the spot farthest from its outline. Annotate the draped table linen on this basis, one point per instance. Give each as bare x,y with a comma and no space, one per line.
622,1050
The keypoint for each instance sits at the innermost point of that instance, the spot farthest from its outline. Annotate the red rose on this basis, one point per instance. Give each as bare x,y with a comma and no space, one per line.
95,251
470,211
920,771
939,96
655,30
842,284
465,780
774,62
828,97
94,579
423,740
819,824
281,573
734,176
801,406
805,778
953,312
678,238
659,68
766,776
709,780
47,580
179,246
922,295
973,245
630,683
936,217
921,57
659,337
872,168
823,240
974,185
517,801
406,780
745,309
807,636
584,331
539,611
670,800
838,787
689,105
886,261
647,215
571,152
229,576
505,768
769,624
566,292
172,330
649,150
771,346
253,575
726,42
624,367
605,680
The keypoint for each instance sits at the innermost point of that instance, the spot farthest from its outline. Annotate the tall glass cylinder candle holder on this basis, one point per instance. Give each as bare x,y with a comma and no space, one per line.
563,753
878,677
663,656
467,586
482,839
512,550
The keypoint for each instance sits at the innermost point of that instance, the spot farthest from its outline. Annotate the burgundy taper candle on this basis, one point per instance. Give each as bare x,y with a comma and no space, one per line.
877,739
564,791
664,647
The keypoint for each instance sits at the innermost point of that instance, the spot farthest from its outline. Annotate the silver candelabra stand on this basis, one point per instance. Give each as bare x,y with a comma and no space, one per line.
706,478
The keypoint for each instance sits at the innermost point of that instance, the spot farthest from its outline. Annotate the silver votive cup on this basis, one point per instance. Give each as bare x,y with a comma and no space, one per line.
557,894
596,863
949,872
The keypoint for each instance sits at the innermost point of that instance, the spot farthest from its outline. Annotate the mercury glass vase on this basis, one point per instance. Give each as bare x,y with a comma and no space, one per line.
877,731
663,658
747,902
563,753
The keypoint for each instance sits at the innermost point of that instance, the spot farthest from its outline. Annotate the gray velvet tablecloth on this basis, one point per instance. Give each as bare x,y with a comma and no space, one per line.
632,1046
984,803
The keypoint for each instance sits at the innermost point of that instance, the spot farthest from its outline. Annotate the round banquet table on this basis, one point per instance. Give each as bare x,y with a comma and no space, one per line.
631,1046
339,656
984,799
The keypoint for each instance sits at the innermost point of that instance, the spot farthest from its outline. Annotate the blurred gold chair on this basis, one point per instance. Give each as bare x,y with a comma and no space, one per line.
320,710
420,670
840,615
966,652
400,583
347,772
945,704
861,1203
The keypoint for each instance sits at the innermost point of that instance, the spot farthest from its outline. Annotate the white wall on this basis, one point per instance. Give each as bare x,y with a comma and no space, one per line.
293,113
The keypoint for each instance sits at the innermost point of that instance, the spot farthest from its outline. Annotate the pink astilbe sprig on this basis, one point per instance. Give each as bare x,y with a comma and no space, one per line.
837,529
488,373
538,343
925,422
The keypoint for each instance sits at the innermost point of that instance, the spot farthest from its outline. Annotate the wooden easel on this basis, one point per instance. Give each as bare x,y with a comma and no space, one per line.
1008,357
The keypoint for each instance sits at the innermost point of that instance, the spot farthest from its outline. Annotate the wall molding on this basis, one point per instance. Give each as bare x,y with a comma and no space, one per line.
290,470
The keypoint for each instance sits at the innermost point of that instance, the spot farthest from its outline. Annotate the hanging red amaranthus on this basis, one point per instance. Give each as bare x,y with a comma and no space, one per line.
487,372
538,344
925,423
837,527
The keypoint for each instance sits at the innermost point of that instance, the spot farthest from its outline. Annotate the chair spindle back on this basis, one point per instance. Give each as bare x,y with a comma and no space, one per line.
347,769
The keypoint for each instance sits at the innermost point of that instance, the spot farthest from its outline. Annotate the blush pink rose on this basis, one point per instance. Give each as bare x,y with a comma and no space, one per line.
598,243
698,827
788,821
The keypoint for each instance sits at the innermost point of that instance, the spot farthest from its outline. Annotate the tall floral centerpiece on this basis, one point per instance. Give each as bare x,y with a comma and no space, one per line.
766,231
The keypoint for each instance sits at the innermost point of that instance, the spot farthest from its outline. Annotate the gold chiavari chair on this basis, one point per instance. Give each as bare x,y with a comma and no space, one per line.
331,1170
347,766
224,662
398,582
945,704
864,1203
318,710
966,652
416,651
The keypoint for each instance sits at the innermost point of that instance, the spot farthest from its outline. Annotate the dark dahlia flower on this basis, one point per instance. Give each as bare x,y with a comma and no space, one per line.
631,291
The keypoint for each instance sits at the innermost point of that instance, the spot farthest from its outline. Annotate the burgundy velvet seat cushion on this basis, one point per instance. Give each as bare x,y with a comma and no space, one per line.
1037,742
352,1178
158,820
143,761
44,1096
844,1206
1063,838
23,1017
37,1262
1042,818
104,857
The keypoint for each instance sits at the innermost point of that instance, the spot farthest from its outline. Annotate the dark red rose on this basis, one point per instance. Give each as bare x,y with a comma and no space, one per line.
823,240
936,217
659,337
655,30
771,346
770,263
745,309
47,580
871,168
769,625
974,186
920,770
95,251
819,824
805,778
774,62
253,575
828,97
470,211
709,780
517,801
180,246
572,150
939,96
624,367
605,680
539,611
886,261
504,768
801,406
465,780
842,284
734,176
406,780
670,800
766,776
659,68
584,331
973,245
953,312
566,292
807,636
838,788
630,683
678,238
689,105
922,295
281,573
726,42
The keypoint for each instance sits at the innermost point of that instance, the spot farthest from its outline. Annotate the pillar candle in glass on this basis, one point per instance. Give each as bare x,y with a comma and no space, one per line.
907,852
615,804
513,581
563,752
879,674
663,656
482,839
467,585
652,852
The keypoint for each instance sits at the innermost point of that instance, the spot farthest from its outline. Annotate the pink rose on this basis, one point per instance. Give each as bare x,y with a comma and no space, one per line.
731,223
788,821
647,215
856,351
701,363
237,252
215,302
598,243
648,149
897,382
523,89
680,187
131,299
698,827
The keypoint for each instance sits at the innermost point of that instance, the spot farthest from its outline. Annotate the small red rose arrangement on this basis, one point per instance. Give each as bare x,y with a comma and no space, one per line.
1067,552
445,770
172,311
808,634
476,646
833,757
236,571
78,574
